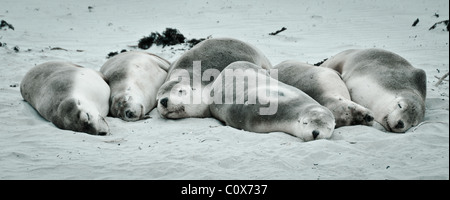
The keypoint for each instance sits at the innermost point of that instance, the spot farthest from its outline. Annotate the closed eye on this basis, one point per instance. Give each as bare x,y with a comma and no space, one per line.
400,106
182,92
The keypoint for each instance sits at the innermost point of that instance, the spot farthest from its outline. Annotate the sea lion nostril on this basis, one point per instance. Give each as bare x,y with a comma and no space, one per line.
129,114
315,133
400,125
368,118
164,102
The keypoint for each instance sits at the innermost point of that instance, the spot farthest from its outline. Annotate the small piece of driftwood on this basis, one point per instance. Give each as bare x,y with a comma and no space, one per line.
279,31
441,79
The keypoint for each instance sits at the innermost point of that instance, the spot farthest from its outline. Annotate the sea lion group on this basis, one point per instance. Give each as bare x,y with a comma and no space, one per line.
235,83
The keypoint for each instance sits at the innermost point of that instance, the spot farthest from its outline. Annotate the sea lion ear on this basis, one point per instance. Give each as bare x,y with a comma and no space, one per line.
66,108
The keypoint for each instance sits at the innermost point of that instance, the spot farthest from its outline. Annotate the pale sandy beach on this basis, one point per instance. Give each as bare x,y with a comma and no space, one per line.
85,31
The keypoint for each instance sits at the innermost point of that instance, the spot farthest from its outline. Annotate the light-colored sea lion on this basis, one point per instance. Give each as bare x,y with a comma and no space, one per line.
385,83
71,97
253,93
134,78
190,77
326,87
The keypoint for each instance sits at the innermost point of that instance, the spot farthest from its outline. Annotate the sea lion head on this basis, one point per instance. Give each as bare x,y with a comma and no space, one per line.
127,107
175,101
315,122
78,115
406,111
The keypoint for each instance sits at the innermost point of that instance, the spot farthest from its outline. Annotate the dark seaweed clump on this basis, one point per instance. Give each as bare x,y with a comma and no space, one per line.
321,62
169,37
147,42
193,42
112,54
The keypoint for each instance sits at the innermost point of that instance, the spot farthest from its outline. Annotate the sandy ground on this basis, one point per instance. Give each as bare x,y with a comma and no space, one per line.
32,148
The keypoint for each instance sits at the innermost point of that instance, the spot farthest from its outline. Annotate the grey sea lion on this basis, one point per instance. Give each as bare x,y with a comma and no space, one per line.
190,77
134,78
71,97
262,104
385,83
